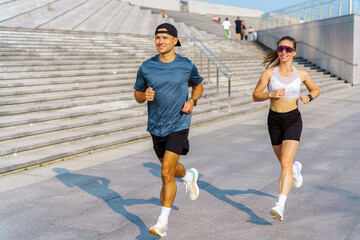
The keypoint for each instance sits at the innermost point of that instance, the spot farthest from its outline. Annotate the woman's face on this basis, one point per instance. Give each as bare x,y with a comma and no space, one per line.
285,55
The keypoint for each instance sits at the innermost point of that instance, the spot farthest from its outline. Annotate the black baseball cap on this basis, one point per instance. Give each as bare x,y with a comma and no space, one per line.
170,29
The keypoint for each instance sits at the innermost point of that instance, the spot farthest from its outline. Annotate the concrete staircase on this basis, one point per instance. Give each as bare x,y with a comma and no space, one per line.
86,15
65,93
205,22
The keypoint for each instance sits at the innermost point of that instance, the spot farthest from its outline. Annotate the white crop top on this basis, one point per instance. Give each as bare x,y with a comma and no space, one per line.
290,84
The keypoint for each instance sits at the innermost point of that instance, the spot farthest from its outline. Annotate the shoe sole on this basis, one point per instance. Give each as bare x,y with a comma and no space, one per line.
196,186
300,180
276,215
154,232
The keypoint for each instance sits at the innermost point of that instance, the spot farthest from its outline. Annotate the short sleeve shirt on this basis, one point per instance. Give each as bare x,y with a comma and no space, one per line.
171,82
226,24
238,24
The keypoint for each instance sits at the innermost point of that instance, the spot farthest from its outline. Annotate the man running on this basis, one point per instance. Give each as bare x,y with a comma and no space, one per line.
163,81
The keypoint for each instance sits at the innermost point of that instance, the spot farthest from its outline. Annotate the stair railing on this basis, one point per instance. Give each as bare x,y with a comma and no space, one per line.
211,57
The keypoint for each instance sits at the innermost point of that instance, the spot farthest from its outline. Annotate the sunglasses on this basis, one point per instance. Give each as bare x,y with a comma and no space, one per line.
286,48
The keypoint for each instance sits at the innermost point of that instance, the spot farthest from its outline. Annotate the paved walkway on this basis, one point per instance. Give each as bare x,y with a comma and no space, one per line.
114,194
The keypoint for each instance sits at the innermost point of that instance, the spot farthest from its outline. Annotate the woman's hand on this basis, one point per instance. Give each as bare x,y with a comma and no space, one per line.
277,94
305,99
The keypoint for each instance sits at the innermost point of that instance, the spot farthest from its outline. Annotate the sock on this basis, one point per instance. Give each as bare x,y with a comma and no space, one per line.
188,177
165,213
282,199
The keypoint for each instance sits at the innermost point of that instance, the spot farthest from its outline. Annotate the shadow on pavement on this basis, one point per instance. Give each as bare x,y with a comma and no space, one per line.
99,187
155,170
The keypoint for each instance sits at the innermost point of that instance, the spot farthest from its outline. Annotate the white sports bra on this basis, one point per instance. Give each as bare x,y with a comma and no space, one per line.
290,84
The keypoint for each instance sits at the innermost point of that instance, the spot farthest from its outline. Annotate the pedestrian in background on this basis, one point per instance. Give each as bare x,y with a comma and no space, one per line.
226,25
237,25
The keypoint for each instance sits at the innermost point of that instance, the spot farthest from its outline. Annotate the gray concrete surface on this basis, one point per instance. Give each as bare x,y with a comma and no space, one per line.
114,194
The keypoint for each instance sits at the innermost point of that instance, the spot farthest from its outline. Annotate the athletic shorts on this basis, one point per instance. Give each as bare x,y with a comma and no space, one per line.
284,126
176,142
238,30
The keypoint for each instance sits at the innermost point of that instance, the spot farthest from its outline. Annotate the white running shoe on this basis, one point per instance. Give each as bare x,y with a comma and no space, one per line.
192,188
277,212
159,229
298,179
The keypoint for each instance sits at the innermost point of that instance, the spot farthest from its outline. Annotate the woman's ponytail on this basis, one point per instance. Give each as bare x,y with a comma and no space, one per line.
271,59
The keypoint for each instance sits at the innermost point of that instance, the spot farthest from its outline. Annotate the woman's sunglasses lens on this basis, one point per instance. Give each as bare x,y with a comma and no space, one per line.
287,49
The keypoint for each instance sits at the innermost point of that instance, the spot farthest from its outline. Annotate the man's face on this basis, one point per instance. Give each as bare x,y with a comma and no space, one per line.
164,42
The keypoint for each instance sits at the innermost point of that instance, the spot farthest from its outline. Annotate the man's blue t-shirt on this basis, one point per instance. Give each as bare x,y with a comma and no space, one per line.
238,24
171,82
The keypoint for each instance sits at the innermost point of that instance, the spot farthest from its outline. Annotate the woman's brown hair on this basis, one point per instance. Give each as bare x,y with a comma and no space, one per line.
271,58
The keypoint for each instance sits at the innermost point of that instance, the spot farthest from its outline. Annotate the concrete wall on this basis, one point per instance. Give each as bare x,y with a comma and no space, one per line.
160,4
332,44
357,49
223,10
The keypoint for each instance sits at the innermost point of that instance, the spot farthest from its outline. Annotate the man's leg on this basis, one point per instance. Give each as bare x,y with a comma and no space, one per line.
170,168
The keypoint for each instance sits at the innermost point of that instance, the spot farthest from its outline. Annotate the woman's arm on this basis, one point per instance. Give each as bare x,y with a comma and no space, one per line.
310,85
259,94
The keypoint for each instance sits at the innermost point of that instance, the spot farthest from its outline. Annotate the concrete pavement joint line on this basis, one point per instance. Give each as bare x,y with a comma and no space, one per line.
352,229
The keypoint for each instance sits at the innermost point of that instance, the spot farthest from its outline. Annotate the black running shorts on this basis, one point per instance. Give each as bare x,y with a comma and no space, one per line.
284,126
176,142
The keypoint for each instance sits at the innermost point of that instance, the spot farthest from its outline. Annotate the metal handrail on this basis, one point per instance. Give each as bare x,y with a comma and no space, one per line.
229,74
317,9
212,54
330,55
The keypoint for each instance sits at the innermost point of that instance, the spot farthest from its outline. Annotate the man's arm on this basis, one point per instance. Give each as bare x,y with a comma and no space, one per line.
148,95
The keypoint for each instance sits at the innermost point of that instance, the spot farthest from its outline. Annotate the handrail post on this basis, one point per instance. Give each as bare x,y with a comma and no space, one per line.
330,10
201,63
313,14
208,70
340,13
194,54
217,81
350,7
229,93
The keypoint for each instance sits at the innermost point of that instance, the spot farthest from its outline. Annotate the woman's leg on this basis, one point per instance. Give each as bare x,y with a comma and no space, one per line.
286,154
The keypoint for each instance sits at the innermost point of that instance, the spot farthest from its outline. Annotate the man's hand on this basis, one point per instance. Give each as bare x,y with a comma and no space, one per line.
149,94
188,106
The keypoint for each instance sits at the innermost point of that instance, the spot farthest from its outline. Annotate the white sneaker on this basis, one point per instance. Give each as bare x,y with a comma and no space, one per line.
277,212
159,229
192,188
298,179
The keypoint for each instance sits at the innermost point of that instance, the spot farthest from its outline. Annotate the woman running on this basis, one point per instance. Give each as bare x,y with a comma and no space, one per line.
284,120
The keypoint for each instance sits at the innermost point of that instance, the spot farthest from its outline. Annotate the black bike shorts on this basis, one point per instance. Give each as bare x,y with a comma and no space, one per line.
284,126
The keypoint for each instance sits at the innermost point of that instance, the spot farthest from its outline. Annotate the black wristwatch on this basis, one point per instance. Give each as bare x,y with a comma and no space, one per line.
311,97
195,100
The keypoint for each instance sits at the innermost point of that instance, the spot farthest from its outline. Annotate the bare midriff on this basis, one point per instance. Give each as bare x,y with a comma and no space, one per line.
283,105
